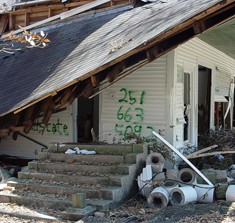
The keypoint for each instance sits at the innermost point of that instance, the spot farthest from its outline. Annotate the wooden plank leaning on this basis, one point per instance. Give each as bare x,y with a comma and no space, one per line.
195,154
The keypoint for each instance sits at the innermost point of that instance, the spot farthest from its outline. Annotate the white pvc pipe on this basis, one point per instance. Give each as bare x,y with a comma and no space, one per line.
183,157
205,193
159,197
183,195
230,195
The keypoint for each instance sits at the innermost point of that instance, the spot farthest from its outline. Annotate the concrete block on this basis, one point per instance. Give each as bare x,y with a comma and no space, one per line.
209,174
220,176
53,147
231,174
74,214
43,155
79,200
220,191
156,160
130,158
172,174
138,148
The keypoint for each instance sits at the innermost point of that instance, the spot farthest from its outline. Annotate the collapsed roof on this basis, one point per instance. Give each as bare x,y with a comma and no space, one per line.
88,49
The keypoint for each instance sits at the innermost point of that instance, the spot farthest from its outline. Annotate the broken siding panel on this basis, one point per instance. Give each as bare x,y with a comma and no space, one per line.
196,50
135,104
222,83
59,129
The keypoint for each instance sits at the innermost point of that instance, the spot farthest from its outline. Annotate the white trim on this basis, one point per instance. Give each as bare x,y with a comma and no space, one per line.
191,69
170,98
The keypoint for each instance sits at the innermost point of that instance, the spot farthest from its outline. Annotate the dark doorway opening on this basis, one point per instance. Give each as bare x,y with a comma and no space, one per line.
204,100
88,118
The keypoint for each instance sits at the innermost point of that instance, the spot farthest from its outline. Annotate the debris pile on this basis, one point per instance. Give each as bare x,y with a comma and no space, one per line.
183,185
9,168
180,187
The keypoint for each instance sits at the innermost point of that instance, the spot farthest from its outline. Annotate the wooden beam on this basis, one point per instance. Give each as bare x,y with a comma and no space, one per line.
116,70
11,22
212,154
66,95
82,8
26,19
4,132
16,129
49,112
199,27
87,90
94,81
50,13
201,151
4,19
50,7
152,54
64,15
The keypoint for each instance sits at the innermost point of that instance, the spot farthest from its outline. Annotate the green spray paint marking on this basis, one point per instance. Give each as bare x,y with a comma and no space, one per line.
55,128
130,114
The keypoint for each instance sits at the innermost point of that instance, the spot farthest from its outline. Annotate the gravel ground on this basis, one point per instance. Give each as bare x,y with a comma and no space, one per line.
133,211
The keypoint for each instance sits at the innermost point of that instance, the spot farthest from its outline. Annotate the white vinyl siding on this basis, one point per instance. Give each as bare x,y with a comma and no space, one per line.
59,129
145,112
196,52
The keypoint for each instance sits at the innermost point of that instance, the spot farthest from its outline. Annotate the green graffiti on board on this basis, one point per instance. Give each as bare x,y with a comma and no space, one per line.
130,114
55,128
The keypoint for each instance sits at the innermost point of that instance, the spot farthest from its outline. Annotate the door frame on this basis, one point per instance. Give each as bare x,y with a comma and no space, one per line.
192,137
208,64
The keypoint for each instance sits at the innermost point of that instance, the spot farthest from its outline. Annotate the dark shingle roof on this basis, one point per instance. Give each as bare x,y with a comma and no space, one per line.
83,44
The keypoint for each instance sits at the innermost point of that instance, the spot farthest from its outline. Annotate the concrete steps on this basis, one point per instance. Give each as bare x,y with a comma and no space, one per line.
50,202
107,178
97,159
95,192
100,149
111,180
61,167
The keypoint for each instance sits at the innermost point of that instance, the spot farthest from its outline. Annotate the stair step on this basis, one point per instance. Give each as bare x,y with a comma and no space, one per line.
98,192
100,149
89,159
49,202
34,217
62,167
111,180
75,214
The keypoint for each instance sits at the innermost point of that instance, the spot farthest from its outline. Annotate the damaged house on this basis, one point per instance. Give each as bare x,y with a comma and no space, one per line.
117,72
81,80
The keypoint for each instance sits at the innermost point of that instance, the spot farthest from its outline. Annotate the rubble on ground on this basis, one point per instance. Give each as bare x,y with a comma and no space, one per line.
185,183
